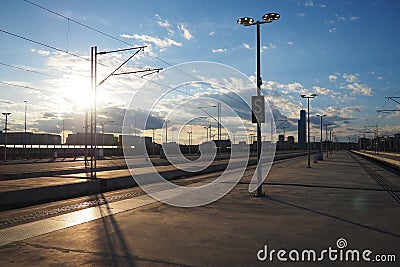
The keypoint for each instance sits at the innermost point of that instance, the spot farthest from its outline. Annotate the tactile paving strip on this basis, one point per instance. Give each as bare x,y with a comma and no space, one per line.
52,212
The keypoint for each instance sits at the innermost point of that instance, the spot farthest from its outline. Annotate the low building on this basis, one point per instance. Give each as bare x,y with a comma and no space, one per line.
29,138
101,139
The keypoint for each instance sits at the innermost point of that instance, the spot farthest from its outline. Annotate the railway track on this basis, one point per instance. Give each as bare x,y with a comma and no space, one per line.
386,185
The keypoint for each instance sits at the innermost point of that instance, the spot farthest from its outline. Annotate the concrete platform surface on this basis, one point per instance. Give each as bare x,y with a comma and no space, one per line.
337,206
57,183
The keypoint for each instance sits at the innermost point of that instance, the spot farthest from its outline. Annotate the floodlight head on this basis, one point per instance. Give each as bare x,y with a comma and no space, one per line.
246,21
309,96
270,17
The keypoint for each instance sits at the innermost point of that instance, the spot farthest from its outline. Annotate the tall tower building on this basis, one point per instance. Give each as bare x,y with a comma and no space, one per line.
301,130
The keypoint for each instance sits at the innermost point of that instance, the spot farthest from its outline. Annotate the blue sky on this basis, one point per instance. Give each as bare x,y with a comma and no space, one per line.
345,51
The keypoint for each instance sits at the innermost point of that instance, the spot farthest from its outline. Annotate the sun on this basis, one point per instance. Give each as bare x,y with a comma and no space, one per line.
77,93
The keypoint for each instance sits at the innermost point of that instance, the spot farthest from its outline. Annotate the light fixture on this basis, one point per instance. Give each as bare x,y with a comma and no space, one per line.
246,21
270,17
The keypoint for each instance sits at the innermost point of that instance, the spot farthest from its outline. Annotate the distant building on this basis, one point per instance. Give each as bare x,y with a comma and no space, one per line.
138,144
301,130
281,142
290,142
20,138
101,139
397,142
364,143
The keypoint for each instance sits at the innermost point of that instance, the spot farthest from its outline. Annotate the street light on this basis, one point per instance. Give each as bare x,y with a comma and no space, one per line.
190,140
234,133
246,21
326,139
5,135
26,150
154,142
166,131
218,143
308,123
321,116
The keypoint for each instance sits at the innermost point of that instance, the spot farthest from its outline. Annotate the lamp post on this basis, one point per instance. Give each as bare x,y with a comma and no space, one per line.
246,21
206,128
320,153
234,134
26,150
166,131
5,134
190,140
154,142
321,116
308,124
218,106
326,140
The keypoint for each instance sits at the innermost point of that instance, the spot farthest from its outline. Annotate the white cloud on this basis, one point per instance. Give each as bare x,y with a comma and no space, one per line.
290,43
211,33
353,18
219,50
332,78
330,22
185,32
379,78
161,43
323,91
247,46
340,18
268,46
347,98
301,14
342,112
295,87
4,101
331,30
360,89
165,24
309,3
351,78
322,5
41,52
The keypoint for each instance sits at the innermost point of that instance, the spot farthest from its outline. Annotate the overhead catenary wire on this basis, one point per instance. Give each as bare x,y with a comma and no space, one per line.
28,87
114,38
43,44
98,31
87,59
77,22
25,69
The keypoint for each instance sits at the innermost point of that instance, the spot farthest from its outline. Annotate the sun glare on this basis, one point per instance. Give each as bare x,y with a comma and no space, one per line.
78,93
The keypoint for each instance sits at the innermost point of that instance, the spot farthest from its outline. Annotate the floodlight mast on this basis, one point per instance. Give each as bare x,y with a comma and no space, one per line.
308,126
5,133
247,21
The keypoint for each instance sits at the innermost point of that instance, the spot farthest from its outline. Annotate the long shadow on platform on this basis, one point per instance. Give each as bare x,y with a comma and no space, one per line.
111,226
382,231
322,186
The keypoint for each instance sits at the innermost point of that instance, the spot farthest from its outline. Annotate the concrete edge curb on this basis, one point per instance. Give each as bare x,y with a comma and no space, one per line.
33,196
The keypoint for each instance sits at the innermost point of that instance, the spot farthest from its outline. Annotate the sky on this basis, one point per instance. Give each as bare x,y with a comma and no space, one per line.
344,51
